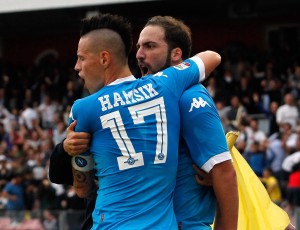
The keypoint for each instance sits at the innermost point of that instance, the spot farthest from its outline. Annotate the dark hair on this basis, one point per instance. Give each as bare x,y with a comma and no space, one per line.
177,34
116,23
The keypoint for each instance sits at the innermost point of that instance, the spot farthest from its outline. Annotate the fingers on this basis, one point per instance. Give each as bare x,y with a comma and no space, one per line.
197,169
71,134
202,178
72,126
76,142
199,180
73,148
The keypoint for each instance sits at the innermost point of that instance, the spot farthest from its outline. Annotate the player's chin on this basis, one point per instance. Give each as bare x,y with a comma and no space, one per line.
144,70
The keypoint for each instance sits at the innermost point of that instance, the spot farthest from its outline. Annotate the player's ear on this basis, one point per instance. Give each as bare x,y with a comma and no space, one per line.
104,59
176,55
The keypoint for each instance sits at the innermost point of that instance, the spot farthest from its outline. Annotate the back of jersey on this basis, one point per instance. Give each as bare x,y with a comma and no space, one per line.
135,132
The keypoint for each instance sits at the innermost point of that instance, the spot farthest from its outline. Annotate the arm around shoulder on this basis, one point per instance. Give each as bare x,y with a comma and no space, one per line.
210,60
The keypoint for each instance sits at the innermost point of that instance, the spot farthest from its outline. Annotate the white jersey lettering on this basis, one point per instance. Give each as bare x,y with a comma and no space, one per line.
140,94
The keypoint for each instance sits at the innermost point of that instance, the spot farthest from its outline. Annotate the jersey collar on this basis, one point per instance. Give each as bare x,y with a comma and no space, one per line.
123,79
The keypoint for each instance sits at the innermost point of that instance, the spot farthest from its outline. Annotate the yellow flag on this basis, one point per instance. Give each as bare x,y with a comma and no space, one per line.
256,210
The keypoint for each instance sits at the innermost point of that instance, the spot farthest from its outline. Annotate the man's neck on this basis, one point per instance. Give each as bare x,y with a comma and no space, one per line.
112,76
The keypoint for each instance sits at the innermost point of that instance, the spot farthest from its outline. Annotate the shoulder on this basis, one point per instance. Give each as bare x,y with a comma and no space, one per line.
198,96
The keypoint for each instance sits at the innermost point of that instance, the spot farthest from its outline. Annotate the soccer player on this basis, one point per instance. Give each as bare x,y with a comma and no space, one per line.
166,41
134,125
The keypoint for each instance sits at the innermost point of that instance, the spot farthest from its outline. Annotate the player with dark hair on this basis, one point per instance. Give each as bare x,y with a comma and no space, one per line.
166,41
134,125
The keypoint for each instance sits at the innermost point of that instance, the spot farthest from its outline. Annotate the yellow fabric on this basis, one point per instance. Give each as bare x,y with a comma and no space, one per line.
256,210
275,193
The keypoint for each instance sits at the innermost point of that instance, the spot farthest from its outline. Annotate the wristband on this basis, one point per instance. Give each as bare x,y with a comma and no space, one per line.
83,163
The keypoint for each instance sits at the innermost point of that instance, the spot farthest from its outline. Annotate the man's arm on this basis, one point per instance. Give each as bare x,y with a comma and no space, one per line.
60,169
84,182
225,187
210,60
223,179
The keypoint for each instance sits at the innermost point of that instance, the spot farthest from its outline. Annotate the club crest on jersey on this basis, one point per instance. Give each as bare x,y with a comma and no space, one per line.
130,161
182,66
197,103
80,162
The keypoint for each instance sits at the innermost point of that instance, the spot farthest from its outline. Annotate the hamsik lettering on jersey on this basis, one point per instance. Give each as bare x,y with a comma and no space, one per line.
135,130
127,98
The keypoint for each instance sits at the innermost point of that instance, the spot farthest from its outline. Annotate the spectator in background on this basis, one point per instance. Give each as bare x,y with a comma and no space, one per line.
72,94
72,201
257,133
288,137
249,133
275,156
46,198
50,221
5,136
289,162
228,85
271,115
59,132
5,171
222,111
47,110
293,188
29,116
288,112
253,104
30,189
212,86
235,112
271,185
293,84
13,191
245,132
291,166
273,90
6,118
256,158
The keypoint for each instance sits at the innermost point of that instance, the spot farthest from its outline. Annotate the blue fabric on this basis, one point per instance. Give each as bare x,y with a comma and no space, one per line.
135,133
204,136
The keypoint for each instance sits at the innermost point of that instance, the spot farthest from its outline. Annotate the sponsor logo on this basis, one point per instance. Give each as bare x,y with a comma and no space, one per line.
182,66
197,103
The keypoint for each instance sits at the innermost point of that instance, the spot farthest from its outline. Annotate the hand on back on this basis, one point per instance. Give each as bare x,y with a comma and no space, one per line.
202,177
76,142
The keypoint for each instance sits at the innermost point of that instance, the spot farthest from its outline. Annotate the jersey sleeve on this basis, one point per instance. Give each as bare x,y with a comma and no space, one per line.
182,76
80,112
202,129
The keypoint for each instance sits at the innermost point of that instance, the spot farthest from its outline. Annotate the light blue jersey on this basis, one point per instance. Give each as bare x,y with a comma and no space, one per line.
204,144
135,127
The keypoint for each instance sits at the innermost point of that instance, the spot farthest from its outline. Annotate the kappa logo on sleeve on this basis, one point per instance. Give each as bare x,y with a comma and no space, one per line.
160,74
182,66
197,103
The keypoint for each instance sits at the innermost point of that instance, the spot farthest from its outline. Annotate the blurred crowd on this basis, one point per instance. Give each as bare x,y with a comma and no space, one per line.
256,92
